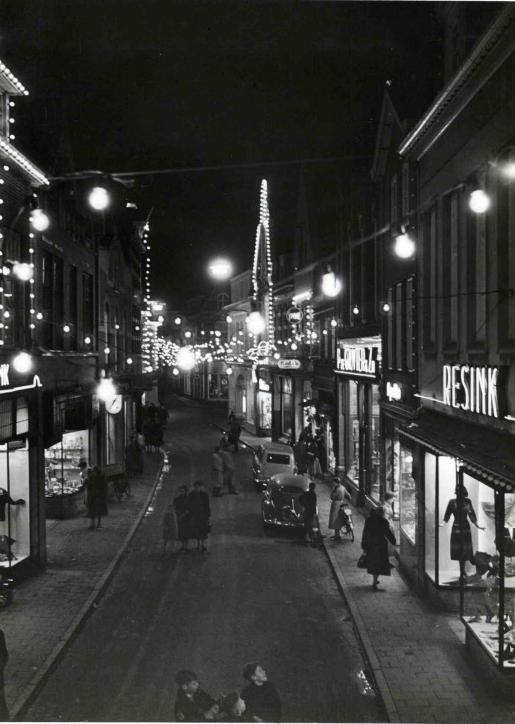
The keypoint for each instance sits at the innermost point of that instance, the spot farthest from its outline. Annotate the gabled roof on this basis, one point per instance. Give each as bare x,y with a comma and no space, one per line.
8,151
496,45
388,122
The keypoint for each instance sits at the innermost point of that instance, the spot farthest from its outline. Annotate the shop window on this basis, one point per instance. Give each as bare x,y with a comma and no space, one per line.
431,517
392,453
408,495
287,406
375,445
353,432
14,503
488,589
264,405
66,464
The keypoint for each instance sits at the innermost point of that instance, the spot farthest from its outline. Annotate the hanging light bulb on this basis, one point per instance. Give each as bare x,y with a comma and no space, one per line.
23,271
22,363
331,286
404,246
479,201
99,198
355,310
39,220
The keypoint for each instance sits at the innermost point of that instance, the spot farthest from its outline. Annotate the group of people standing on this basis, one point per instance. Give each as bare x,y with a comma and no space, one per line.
187,518
258,701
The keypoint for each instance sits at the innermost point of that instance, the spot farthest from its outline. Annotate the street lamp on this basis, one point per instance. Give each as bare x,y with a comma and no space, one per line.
39,220
255,323
220,269
404,246
22,363
99,198
479,201
185,359
331,285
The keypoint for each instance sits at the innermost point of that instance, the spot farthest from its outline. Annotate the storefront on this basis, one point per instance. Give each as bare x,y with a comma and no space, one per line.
264,403
321,415
457,506
21,529
291,386
68,455
358,365
398,407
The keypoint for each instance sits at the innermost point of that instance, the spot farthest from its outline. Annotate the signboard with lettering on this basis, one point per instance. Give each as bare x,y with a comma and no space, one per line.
263,386
358,361
473,389
294,315
289,364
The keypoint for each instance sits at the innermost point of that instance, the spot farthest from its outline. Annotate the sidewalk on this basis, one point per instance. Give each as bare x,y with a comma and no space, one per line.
416,652
48,608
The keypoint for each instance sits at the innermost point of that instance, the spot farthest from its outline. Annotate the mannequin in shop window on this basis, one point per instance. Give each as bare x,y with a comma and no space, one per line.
5,499
462,510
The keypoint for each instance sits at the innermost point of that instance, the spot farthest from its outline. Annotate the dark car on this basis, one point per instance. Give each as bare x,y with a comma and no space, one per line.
270,460
280,506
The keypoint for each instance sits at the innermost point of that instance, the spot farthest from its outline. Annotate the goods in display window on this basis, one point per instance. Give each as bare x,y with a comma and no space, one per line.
14,497
408,495
66,464
488,594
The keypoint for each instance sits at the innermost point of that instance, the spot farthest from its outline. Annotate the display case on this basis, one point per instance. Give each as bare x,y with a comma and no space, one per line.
488,594
408,494
66,465
14,503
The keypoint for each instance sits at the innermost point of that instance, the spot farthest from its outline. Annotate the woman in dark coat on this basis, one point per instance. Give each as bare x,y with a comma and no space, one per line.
376,535
182,513
200,514
96,496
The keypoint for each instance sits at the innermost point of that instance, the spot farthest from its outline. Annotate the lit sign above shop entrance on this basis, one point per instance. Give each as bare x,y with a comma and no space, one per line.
393,391
473,389
294,315
289,364
357,361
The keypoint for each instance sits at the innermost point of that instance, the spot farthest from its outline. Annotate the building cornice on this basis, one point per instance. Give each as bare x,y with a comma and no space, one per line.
9,152
488,55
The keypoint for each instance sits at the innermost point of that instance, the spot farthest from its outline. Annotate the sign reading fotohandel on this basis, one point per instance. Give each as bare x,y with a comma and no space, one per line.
358,361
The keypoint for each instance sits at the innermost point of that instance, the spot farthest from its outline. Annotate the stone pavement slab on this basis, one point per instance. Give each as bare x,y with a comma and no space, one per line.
48,608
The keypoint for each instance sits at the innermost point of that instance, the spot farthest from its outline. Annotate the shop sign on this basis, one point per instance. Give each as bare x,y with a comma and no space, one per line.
294,315
393,391
473,389
360,361
263,386
289,364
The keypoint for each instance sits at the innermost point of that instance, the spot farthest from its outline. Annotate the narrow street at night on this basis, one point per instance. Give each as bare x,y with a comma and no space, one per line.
253,596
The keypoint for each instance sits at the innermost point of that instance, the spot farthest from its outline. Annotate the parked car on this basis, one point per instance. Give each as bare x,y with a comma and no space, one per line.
280,506
272,459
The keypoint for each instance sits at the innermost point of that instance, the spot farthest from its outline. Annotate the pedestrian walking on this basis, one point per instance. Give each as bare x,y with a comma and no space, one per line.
228,470
170,528
261,698
182,512
4,657
200,514
133,456
96,496
234,431
217,471
191,702
308,500
338,495
376,535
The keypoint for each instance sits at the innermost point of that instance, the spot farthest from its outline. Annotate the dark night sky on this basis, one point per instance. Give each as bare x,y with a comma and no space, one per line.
143,84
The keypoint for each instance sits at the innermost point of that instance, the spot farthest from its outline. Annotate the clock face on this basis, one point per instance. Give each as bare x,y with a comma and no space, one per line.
114,404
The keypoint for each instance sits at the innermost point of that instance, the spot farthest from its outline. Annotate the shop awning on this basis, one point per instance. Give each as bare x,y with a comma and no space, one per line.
484,452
